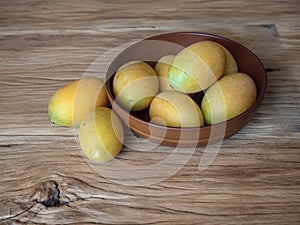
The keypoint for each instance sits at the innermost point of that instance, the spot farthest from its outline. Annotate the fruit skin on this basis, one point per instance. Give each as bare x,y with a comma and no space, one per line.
72,102
230,65
232,95
197,67
101,135
175,109
135,85
162,69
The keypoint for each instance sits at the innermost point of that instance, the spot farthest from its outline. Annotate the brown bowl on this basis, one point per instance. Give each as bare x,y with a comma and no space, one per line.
151,50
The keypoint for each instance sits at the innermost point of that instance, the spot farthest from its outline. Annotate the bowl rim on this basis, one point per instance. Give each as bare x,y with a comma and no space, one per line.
257,102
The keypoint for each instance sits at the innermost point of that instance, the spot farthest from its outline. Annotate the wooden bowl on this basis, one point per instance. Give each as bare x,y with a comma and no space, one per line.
151,50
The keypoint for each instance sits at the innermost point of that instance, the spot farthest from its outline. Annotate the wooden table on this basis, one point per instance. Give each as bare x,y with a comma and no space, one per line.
44,179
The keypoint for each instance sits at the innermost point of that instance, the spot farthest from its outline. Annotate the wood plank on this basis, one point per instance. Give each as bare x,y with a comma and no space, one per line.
44,178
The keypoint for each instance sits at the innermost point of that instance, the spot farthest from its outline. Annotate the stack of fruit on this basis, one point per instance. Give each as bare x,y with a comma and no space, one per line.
166,91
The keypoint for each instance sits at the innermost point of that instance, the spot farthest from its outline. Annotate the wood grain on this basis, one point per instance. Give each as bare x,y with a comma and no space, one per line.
44,179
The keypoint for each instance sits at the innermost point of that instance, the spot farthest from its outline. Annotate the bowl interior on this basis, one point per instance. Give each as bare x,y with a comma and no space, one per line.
151,50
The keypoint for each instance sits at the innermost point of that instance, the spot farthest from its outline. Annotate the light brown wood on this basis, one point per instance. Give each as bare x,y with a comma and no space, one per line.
44,179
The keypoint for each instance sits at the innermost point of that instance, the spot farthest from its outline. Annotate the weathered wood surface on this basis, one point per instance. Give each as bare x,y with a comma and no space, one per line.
44,179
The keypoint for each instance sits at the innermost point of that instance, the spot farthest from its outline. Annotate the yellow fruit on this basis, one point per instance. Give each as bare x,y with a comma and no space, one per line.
135,85
174,109
232,95
197,67
162,69
72,102
101,135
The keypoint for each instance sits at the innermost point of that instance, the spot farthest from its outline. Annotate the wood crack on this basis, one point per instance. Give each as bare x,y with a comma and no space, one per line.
269,69
17,214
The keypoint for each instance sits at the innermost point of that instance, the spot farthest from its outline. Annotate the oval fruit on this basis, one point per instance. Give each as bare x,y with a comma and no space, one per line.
162,69
101,135
135,85
197,67
231,96
174,109
72,102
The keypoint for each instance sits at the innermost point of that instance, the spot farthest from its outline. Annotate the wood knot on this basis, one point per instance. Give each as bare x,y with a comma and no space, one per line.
48,194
